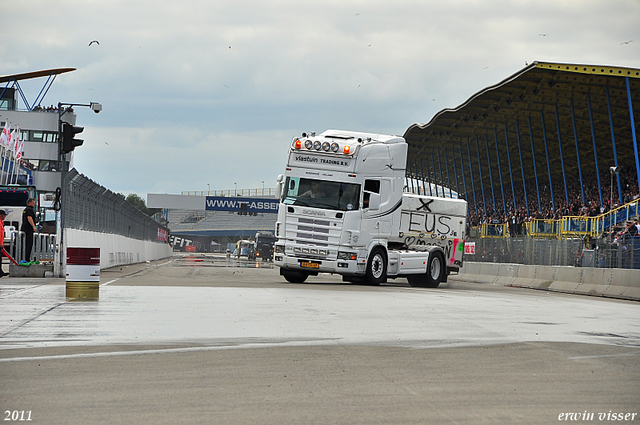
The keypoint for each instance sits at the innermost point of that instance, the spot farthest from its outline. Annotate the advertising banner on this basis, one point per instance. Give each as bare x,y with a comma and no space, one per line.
249,205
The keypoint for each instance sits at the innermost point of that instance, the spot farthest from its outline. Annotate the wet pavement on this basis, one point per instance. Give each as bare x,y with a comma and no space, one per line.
210,299
203,339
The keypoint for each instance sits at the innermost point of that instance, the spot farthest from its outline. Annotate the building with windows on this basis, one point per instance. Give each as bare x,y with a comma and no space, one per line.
40,162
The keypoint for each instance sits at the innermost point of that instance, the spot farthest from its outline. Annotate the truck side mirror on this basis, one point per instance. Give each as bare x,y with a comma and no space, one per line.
279,186
374,201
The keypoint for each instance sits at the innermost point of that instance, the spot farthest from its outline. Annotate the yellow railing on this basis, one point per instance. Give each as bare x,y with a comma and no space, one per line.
566,227
488,230
617,216
541,228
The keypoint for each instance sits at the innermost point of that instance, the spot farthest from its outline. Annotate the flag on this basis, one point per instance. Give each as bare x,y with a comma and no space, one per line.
4,137
13,141
16,142
20,142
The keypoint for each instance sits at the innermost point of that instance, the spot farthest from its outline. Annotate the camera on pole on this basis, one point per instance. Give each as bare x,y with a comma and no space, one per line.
69,143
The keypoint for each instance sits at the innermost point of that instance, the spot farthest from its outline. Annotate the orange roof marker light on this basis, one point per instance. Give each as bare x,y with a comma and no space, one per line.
347,149
298,144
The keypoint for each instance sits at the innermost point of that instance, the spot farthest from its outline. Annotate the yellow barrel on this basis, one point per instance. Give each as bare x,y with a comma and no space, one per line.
83,273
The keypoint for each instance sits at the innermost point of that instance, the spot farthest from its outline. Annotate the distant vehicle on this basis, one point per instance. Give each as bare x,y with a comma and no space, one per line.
243,248
264,245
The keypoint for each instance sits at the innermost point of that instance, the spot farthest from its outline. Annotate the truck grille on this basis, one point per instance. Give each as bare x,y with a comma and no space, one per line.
314,232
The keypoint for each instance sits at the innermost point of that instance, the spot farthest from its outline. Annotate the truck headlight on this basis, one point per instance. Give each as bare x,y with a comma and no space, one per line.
279,249
347,256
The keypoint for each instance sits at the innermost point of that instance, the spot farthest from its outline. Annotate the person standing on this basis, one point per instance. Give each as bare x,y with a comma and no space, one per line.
3,214
28,227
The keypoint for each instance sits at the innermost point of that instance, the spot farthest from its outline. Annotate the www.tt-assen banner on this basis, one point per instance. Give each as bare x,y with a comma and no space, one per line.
251,205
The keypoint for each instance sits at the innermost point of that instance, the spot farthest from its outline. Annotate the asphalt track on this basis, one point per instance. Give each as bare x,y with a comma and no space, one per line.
203,339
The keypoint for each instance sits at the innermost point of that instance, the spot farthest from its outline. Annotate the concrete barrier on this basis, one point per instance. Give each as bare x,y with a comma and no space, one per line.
34,270
614,283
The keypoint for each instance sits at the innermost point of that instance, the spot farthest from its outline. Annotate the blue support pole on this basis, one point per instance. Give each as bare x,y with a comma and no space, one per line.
412,179
464,179
524,183
546,151
575,135
535,167
428,176
473,185
595,151
613,142
446,161
433,167
455,171
441,177
424,189
493,194
633,132
484,201
564,176
504,201
513,190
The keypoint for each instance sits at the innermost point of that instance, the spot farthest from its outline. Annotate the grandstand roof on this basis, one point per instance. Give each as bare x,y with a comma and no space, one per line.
34,74
540,96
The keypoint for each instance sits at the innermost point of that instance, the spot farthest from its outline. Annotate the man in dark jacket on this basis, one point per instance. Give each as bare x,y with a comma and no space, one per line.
28,227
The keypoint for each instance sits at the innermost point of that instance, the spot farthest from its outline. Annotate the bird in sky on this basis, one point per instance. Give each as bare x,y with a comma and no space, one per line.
94,41
626,42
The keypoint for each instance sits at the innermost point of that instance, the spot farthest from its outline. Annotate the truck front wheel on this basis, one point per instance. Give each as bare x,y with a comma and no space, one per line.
376,267
294,276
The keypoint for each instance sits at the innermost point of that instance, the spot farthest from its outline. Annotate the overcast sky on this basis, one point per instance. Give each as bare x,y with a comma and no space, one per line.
199,93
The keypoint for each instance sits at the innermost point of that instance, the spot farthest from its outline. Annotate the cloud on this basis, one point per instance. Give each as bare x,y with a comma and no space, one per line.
226,77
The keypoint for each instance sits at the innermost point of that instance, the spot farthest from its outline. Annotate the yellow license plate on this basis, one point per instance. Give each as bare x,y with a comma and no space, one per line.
308,264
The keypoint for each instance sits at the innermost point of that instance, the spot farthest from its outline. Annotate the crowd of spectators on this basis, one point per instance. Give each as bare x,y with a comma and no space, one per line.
51,108
516,218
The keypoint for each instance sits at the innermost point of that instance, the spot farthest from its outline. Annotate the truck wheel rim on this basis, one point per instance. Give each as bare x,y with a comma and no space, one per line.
435,268
376,266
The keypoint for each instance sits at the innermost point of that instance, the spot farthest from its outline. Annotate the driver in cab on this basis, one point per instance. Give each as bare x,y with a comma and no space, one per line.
315,191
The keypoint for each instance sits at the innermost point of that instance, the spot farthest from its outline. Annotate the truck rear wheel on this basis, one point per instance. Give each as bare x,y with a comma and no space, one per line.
376,267
435,270
433,276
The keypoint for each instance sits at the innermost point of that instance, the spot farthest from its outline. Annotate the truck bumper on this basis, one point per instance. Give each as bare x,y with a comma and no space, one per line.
315,266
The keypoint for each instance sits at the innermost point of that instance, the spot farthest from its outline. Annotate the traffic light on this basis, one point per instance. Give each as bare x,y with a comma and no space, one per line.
68,141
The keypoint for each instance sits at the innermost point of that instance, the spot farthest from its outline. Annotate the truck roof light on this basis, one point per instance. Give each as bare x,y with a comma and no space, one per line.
326,146
308,144
334,147
317,145
347,149
298,144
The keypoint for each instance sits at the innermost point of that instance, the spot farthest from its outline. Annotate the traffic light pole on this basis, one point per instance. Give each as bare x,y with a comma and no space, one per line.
63,108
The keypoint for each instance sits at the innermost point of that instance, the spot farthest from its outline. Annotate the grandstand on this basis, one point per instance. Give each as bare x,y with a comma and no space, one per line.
549,152
540,143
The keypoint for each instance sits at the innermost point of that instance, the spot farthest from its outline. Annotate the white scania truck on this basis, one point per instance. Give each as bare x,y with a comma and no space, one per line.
343,210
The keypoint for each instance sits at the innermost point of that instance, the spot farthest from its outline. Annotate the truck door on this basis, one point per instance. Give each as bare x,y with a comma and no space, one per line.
377,208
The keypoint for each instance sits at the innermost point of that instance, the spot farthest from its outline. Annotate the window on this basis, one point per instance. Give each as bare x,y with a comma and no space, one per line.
321,194
370,186
41,136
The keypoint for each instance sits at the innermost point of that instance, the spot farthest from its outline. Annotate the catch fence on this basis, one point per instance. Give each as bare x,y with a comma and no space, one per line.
578,252
91,207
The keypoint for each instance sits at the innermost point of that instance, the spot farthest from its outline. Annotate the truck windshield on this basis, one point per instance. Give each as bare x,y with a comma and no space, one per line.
321,194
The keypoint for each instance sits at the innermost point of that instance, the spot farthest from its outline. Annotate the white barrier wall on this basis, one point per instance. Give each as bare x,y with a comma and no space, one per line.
614,283
117,250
